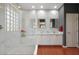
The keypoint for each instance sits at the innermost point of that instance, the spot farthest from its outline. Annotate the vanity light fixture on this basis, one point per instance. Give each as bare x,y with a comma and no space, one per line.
19,6
33,6
41,6
55,6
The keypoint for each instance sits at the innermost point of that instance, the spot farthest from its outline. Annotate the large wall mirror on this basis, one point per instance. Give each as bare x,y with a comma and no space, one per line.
53,24
42,23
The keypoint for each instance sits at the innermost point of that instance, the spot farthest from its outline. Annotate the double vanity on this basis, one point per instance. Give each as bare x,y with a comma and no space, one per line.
46,38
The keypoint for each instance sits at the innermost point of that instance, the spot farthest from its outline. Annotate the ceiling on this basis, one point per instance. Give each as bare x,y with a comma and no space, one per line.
25,6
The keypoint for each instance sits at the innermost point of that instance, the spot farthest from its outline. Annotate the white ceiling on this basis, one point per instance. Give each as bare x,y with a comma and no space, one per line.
26,6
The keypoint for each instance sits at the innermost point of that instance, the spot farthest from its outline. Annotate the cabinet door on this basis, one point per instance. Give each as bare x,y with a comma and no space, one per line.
44,40
56,39
59,39
71,30
53,39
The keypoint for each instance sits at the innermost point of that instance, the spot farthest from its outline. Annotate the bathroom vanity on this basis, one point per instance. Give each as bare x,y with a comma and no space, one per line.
46,38
50,39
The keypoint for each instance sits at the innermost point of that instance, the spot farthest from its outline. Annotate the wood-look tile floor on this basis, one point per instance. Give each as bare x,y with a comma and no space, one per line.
56,50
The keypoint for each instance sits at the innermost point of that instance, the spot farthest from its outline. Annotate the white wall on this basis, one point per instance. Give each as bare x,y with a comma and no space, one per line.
61,16
12,44
2,17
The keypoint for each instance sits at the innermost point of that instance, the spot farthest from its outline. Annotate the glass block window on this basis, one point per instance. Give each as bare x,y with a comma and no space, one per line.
12,18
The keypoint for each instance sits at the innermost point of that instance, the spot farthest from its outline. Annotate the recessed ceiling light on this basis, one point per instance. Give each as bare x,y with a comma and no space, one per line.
41,6
55,6
33,6
19,6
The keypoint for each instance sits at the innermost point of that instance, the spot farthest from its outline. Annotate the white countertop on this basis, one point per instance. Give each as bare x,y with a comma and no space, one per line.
57,33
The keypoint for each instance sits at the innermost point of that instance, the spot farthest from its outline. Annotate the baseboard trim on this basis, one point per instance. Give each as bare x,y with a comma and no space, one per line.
70,47
49,45
35,51
64,46
77,46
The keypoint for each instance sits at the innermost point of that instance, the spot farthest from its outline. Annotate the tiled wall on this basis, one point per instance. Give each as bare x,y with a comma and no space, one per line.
11,42
30,20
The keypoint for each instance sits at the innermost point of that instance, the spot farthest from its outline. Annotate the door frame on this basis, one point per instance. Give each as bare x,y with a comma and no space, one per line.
64,41
75,14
